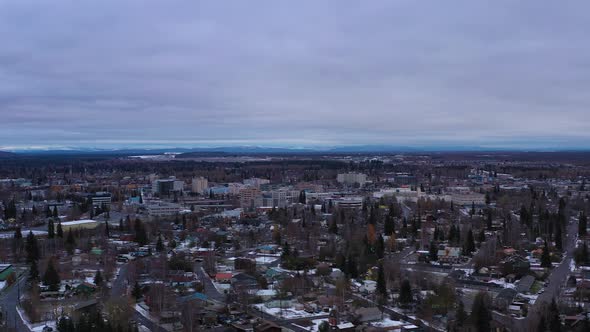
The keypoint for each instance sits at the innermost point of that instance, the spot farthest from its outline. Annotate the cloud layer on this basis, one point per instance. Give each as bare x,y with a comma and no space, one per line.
121,73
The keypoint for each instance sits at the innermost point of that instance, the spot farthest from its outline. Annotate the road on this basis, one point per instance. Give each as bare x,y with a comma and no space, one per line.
119,288
209,288
119,285
9,299
557,278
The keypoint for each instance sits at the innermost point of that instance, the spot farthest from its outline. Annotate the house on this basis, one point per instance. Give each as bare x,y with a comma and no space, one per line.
504,298
223,277
85,288
194,297
267,326
79,224
525,283
449,255
244,281
515,264
367,314
266,294
181,278
268,249
5,271
345,327
275,274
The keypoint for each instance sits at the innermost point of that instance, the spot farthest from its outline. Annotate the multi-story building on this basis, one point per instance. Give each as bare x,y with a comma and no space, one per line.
256,182
349,202
280,197
250,197
199,185
166,186
352,178
159,209
101,198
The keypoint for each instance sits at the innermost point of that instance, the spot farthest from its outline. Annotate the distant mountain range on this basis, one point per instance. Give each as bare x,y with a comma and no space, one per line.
188,152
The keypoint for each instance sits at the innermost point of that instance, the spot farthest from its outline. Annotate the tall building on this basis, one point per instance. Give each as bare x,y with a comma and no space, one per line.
250,197
167,186
101,198
163,209
352,178
199,185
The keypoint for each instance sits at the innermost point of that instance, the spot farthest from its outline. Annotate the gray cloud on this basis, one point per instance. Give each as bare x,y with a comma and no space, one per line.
493,73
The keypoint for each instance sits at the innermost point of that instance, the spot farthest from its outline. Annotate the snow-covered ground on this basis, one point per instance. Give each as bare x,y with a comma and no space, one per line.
265,260
25,232
145,313
288,313
390,324
221,288
37,327
503,283
532,298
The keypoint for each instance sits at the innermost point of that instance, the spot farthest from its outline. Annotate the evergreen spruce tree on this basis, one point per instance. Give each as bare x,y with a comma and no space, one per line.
51,277
469,246
582,224
480,313
70,242
380,247
333,226
34,271
405,293
545,257
159,244
136,292
558,239
140,233
50,229
481,237
286,251
17,234
351,267
381,285
98,278
60,231
433,252
32,248
389,226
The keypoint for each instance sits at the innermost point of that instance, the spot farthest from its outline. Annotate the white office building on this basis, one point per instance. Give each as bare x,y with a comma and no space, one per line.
352,178
199,185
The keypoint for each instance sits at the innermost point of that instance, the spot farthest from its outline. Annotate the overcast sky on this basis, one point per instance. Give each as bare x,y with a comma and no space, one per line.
294,73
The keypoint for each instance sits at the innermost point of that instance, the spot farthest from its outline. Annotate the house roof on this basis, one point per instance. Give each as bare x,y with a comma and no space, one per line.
194,296
223,275
525,283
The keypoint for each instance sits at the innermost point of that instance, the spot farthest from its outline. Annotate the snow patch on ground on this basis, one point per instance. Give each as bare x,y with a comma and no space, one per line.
145,313
37,327
287,313
502,283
